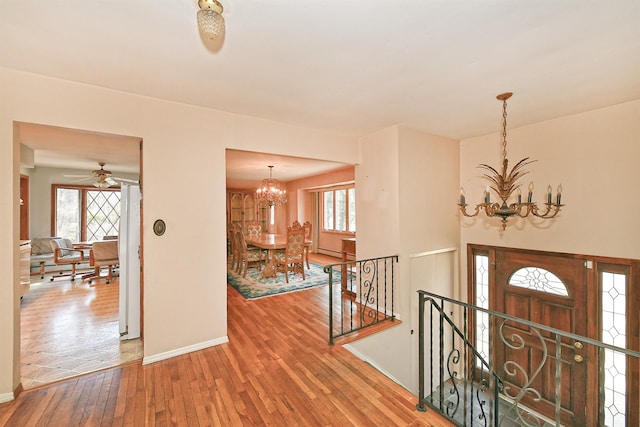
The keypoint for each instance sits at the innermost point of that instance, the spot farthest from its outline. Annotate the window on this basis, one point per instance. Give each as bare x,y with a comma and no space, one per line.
538,279
614,301
481,278
339,210
84,213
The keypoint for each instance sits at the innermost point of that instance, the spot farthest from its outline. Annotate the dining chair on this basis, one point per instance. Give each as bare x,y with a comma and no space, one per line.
247,255
231,235
293,255
255,229
307,236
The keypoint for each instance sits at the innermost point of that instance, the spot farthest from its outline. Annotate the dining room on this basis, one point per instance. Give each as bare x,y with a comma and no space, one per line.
269,195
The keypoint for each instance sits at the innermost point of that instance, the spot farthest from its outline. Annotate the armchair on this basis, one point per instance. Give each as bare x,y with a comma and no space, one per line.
65,254
105,254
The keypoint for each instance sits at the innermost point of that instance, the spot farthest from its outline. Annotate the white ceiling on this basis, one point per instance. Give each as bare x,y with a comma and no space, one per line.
244,168
352,66
79,149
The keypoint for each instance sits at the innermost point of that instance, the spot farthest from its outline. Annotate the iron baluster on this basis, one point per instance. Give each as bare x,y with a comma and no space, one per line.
330,272
465,364
558,375
367,304
441,337
420,405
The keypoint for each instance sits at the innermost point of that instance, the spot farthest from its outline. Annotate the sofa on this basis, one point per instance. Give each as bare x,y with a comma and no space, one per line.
42,254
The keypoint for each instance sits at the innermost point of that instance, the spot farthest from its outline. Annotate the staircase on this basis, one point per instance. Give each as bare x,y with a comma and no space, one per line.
522,374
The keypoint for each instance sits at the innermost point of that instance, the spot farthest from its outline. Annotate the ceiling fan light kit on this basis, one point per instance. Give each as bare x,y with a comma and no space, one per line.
505,184
103,182
103,178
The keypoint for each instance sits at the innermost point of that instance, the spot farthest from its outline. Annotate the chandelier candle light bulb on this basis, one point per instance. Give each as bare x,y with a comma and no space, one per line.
505,184
559,194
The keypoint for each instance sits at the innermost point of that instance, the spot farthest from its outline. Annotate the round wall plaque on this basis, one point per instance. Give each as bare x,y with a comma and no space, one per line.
159,227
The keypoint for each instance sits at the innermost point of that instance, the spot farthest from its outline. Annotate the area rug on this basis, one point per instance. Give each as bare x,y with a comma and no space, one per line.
255,286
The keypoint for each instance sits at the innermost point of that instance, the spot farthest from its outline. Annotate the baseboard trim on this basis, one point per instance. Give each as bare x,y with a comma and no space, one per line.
329,252
368,361
6,397
184,350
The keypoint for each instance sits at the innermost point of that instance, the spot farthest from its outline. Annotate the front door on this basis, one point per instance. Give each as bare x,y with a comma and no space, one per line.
550,290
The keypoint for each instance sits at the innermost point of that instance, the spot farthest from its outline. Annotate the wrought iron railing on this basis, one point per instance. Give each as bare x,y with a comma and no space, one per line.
485,368
362,296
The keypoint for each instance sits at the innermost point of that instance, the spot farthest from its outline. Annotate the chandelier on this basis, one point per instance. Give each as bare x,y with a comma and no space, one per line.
505,184
271,192
210,20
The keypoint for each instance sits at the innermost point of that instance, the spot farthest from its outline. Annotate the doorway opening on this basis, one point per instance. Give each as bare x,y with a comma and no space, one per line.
72,327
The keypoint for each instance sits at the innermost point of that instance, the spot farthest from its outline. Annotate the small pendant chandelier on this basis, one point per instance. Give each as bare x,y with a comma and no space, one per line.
271,192
504,185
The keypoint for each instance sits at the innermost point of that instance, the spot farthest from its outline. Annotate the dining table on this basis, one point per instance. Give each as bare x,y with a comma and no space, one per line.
270,242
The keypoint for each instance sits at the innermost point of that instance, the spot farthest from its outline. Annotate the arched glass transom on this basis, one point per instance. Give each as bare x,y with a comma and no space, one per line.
538,279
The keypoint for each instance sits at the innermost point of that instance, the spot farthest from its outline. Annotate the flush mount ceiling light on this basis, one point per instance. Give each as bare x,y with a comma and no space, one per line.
210,20
271,192
504,185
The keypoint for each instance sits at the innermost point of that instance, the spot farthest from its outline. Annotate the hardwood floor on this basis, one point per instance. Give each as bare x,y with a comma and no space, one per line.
70,328
277,369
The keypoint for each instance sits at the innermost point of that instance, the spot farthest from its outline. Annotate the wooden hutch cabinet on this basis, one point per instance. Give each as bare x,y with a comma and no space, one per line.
242,208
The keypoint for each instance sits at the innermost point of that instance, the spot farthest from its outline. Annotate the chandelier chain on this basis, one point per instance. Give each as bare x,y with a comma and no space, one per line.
504,129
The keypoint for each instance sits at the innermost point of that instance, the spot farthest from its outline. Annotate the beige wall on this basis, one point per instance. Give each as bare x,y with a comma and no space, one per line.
9,230
403,185
595,155
300,205
184,147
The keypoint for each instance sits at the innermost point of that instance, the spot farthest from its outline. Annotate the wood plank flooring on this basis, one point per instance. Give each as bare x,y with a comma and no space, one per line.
277,370
71,328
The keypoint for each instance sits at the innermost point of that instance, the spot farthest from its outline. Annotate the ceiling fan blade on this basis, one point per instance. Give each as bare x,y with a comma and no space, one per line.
125,180
86,178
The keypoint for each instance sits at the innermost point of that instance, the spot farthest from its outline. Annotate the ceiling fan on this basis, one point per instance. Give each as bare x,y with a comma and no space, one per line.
103,178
